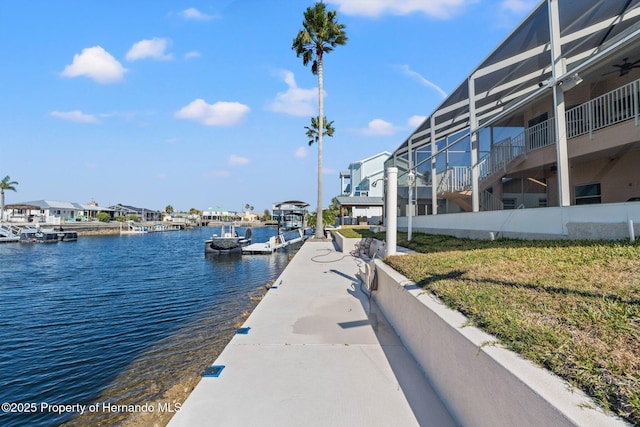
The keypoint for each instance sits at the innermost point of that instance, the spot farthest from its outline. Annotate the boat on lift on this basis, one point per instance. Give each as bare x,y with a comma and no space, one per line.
228,241
46,235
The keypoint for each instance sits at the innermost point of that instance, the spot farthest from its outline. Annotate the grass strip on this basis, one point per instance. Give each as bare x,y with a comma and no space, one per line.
572,307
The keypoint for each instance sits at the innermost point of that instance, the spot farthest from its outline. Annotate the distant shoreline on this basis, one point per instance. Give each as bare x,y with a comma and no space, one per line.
95,228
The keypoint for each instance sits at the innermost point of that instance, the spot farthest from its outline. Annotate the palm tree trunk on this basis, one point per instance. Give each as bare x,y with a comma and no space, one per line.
319,222
1,205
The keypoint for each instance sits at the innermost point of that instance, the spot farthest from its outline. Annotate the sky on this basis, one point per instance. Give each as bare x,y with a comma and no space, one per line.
203,104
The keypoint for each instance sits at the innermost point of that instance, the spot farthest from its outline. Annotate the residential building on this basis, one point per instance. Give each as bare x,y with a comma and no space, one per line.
53,212
542,139
290,214
143,214
361,195
218,214
249,217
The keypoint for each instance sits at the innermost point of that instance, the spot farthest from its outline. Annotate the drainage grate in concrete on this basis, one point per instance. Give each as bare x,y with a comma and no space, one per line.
213,371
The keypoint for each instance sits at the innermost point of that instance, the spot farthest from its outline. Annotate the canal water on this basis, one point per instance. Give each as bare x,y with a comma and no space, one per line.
109,322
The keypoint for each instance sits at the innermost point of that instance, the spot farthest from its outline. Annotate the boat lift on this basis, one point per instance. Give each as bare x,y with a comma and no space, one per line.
9,233
275,243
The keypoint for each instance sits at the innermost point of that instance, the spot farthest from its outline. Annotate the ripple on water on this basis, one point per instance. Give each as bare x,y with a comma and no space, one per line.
119,319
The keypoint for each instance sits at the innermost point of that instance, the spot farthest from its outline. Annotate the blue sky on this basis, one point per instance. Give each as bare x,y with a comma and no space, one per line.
200,104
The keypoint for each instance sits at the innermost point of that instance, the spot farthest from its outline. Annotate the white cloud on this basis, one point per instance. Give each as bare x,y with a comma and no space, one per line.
218,114
193,14
415,121
301,153
295,101
238,161
75,116
379,127
97,64
151,48
416,76
192,54
442,9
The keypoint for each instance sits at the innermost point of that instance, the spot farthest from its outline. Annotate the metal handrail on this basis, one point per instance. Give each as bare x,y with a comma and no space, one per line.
613,107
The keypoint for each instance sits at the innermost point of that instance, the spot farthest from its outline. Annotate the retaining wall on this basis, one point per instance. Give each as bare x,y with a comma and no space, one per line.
480,382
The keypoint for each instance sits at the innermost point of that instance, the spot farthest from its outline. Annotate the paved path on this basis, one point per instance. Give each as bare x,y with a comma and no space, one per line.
318,353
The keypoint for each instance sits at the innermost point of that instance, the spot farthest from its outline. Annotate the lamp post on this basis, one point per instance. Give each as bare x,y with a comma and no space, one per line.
410,182
391,203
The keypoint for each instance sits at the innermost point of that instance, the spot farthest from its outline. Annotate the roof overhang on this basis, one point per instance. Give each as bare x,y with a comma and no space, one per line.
22,206
360,201
296,203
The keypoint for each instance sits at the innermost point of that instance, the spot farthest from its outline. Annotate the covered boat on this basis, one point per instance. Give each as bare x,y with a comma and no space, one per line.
46,235
227,241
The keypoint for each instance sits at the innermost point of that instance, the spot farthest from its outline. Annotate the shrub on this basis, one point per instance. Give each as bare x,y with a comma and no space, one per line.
103,217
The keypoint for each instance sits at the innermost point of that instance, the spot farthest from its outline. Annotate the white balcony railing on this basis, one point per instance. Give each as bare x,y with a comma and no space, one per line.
609,109
454,179
619,105
489,202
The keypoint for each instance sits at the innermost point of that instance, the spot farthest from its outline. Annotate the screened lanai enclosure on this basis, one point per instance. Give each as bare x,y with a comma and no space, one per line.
551,118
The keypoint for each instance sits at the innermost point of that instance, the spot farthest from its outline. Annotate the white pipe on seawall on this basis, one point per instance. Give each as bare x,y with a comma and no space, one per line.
632,235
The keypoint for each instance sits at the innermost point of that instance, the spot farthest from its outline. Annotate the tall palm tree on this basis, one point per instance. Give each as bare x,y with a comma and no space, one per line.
320,34
5,184
312,131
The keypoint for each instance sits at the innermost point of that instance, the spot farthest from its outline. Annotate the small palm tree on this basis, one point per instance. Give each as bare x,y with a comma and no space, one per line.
320,34
312,131
5,184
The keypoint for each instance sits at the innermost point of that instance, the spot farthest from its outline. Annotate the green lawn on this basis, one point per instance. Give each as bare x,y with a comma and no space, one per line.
572,307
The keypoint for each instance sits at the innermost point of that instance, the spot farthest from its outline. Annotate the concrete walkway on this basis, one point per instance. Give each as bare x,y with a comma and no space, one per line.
318,353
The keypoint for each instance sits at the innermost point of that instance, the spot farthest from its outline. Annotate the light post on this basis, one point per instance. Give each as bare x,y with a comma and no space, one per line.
411,180
391,208
391,204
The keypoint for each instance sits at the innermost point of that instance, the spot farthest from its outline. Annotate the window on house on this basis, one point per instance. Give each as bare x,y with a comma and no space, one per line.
508,203
588,194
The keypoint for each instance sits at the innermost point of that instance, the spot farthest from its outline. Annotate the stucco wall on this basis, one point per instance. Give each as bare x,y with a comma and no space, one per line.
618,176
607,221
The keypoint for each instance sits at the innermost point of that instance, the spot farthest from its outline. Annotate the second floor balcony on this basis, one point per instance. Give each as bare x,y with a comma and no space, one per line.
583,121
